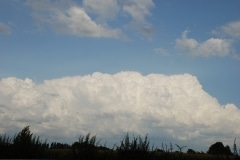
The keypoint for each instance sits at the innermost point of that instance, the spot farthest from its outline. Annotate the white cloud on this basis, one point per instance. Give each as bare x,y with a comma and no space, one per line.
211,47
75,21
91,18
103,10
232,29
4,29
173,108
67,17
139,10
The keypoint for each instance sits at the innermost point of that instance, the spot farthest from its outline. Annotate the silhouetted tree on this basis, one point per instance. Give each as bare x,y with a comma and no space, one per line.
5,146
191,151
86,147
25,145
137,148
218,148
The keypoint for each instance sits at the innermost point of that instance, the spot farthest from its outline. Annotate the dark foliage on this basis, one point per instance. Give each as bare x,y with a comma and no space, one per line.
25,145
85,147
191,151
6,146
219,149
137,148
56,145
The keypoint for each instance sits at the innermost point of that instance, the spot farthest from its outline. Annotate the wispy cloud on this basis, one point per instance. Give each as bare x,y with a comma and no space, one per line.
91,18
174,107
162,51
104,11
231,29
139,10
67,17
5,29
211,47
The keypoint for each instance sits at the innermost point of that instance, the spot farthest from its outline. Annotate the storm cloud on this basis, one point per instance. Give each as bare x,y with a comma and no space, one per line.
166,107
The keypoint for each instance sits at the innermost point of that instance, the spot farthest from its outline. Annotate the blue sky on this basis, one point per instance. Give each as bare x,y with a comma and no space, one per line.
44,40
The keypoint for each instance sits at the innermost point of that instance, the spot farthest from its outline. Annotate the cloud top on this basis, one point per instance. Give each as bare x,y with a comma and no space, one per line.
174,107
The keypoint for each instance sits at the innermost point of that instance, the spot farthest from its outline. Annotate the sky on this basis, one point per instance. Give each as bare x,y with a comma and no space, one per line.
169,69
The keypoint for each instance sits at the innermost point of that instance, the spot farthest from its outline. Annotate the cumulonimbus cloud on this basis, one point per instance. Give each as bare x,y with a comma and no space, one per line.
172,108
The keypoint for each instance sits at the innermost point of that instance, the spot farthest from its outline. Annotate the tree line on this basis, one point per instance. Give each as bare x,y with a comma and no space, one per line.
25,145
